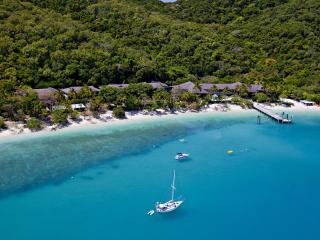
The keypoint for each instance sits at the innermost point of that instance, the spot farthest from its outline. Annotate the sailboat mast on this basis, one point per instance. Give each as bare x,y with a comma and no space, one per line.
173,184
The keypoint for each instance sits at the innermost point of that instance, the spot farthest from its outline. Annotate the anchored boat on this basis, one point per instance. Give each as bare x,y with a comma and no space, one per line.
172,204
181,156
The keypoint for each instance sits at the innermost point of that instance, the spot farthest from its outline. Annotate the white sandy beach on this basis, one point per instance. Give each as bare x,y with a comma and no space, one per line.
15,129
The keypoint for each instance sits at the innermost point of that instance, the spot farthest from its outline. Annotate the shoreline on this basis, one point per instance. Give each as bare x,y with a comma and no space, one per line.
16,130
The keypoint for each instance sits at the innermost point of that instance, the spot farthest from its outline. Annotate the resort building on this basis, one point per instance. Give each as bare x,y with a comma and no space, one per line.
47,96
206,88
78,89
307,103
190,87
255,88
229,86
121,85
177,89
78,106
209,88
154,85
58,107
159,85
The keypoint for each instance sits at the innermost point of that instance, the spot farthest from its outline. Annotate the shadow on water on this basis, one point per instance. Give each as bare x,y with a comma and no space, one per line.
184,160
174,215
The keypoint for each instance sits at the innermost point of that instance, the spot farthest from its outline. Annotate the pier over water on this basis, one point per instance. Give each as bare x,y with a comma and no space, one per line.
274,116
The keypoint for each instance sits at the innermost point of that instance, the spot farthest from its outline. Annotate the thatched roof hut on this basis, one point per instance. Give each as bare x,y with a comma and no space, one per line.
77,89
158,85
121,85
47,95
254,88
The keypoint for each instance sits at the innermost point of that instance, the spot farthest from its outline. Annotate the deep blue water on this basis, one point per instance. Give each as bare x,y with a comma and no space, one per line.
100,182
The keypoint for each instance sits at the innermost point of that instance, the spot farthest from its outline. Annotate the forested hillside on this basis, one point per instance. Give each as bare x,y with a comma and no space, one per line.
74,42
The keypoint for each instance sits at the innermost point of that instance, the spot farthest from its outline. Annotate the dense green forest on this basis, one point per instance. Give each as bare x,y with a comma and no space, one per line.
61,43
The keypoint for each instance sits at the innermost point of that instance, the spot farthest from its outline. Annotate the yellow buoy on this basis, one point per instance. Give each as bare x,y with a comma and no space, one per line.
230,152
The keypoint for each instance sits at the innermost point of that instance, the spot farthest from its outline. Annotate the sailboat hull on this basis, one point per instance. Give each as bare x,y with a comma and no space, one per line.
168,206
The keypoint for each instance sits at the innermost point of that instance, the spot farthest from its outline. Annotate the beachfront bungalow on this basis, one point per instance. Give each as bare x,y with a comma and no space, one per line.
154,85
159,85
121,85
205,88
307,103
255,88
228,86
58,107
77,89
160,111
78,106
285,102
191,87
215,97
178,89
47,96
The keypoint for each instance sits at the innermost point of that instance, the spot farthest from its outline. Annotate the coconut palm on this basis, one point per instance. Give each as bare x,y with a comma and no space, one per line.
59,96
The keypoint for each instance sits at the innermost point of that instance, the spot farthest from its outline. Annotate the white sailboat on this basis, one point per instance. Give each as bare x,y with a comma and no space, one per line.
171,204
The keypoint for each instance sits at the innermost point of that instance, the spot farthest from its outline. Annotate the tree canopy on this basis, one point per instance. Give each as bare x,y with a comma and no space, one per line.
95,42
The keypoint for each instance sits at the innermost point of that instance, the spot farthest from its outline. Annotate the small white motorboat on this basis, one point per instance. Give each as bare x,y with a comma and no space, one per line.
181,156
151,212
172,204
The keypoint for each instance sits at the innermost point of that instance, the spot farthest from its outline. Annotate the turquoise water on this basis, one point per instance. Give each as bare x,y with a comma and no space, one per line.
100,182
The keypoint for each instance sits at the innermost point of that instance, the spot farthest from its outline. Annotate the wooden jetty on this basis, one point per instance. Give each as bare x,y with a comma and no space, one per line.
272,115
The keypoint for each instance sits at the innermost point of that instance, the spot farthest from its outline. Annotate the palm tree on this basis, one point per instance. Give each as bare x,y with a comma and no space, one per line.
59,96
72,95
85,93
197,85
242,90
214,89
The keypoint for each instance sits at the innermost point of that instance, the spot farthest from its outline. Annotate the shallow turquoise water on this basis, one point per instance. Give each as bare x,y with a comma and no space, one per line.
99,183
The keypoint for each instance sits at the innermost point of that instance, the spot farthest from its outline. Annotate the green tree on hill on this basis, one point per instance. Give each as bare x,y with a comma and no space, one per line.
273,42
